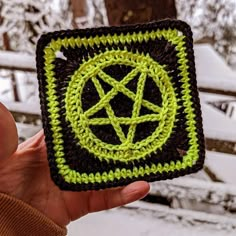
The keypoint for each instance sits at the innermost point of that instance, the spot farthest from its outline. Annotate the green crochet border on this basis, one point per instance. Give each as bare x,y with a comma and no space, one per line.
71,176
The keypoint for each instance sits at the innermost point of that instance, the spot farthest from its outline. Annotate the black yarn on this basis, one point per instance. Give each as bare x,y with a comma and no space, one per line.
160,50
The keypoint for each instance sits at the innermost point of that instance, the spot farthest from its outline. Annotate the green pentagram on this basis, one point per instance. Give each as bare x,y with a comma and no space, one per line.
81,120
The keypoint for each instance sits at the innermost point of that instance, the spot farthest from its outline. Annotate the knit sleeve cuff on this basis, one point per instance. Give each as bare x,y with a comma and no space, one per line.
19,218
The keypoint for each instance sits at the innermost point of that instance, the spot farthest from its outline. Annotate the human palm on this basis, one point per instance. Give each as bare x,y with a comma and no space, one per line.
24,174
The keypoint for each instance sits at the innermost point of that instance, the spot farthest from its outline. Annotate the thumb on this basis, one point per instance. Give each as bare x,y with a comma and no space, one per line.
8,133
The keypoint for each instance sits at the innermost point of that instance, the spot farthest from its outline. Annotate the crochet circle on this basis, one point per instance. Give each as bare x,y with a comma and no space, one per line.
144,67
120,104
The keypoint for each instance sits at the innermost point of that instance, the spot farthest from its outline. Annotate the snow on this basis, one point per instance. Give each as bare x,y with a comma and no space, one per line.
223,103
5,89
211,97
24,21
189,187
27,87
183,216
143,219
211,20
27,108
209,62
96,15
17,60
223,165
217,125
26,131
232,110
190,183
226,83
212,71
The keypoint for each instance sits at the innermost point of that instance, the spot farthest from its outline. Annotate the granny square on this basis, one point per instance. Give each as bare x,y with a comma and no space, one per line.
120,104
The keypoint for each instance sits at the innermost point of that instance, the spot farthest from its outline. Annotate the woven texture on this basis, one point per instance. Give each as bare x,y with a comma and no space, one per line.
120,104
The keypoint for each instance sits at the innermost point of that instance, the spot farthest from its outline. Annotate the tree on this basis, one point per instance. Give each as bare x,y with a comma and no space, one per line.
139,11
24,21
213,21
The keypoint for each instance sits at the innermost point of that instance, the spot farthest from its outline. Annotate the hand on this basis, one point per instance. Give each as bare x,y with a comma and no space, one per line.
24,174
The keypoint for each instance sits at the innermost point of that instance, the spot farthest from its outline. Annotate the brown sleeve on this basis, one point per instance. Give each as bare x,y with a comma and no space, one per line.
20,219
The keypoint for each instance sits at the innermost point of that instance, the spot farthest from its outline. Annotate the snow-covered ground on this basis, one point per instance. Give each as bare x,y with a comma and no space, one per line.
128,222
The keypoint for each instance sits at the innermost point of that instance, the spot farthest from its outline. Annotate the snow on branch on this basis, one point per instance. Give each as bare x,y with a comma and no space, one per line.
213,21
25,21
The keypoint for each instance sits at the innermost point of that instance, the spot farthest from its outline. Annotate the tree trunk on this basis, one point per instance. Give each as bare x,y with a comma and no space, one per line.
79,9
139,11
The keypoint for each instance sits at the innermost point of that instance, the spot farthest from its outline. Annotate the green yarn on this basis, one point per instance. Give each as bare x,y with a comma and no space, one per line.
80,121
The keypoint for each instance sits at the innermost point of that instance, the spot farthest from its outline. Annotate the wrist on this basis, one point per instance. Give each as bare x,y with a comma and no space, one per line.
17,218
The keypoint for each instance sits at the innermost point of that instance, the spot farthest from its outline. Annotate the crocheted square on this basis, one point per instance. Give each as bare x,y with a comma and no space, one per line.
120,104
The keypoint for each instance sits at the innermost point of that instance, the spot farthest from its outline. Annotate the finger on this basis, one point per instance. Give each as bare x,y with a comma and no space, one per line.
34,147
79,204
108,199
8,133
34,141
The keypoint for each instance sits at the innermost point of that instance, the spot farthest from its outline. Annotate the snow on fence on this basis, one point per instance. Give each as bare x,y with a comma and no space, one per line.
26,131
184,217
217,125
212,72
186,188
28,109
17,61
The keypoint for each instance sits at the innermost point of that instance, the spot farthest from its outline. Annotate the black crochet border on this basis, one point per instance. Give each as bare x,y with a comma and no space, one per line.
45,39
